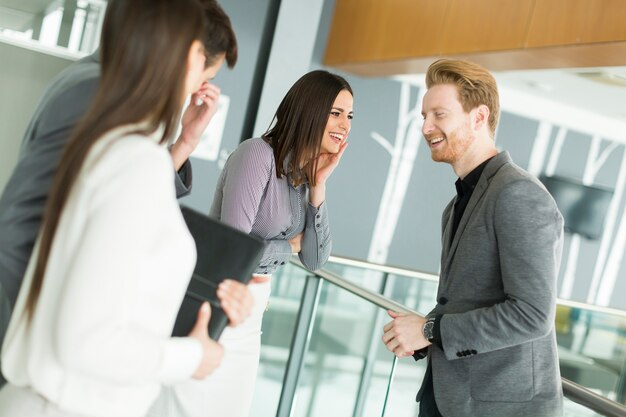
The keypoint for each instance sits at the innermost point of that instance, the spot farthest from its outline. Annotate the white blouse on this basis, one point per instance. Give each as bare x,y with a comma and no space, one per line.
99,342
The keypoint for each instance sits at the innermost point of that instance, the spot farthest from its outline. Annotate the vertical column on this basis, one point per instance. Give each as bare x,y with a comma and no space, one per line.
299,345
37,23
69,9
291,55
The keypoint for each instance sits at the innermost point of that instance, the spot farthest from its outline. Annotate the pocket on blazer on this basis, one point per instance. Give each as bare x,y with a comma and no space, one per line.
504,375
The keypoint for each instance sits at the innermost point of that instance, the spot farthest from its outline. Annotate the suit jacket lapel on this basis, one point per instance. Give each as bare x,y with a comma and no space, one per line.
447,219
483,183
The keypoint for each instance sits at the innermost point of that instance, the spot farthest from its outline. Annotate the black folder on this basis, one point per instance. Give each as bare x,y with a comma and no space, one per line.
223,252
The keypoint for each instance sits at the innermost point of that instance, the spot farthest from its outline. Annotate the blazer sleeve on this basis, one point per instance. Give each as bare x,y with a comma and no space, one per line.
183,179
529,233
244,181
118,305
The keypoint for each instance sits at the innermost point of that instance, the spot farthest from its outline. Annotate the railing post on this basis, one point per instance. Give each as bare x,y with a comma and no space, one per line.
299,344
621,386
391,374
370,359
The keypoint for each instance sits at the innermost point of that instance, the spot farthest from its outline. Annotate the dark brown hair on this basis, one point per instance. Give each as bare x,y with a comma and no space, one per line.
219,36
474,84
300,122
144,51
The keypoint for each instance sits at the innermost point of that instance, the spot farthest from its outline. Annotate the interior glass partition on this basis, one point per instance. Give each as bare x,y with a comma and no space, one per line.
322,352
345,369
571,409
278,328
591,340
592,349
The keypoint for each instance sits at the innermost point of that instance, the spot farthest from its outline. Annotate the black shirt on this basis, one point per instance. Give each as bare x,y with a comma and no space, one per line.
464,189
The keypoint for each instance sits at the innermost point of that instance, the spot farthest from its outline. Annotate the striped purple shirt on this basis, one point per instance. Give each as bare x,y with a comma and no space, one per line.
251,198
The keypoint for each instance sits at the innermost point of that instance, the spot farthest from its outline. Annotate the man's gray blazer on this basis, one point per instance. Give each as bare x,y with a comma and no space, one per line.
497,296
24,197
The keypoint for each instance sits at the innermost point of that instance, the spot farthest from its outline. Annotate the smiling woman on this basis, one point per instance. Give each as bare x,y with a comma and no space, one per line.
113,244
274,187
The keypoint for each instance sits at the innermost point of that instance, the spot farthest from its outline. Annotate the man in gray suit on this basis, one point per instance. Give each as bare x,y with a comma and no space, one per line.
61,107
490,340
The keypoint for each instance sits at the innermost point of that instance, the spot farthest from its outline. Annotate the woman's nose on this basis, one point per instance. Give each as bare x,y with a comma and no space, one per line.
345,123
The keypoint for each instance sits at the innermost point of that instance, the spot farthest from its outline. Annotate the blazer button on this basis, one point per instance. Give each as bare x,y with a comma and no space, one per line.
282,263
443,300
275,262
283,233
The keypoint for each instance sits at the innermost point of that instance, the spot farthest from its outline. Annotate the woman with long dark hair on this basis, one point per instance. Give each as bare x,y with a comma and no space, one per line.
90,332
274,187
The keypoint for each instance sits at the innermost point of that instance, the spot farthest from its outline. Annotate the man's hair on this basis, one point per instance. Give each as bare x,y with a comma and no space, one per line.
474,84
219,36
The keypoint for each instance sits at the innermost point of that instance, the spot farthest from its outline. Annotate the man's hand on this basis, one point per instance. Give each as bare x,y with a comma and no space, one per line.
403,335
236,300
196,118
212,352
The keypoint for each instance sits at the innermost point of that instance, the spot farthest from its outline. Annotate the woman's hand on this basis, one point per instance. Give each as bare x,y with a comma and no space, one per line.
212,352
236,300
326,164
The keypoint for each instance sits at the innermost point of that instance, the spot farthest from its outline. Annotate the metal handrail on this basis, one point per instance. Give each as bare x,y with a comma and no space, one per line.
571,390
371,296
428,276
591,400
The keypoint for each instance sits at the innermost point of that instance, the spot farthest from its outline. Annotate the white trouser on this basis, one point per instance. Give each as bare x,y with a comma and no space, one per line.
228,391
24,402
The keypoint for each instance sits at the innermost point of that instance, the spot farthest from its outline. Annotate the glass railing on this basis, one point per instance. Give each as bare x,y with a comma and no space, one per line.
322,355
591,339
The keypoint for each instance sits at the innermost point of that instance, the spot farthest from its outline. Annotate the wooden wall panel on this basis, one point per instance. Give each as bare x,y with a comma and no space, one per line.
557,22
486,25
346,40
606,21
520,33
363,30
410,27
580,56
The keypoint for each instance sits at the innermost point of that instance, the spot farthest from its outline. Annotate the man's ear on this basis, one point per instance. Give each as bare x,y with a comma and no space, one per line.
481,117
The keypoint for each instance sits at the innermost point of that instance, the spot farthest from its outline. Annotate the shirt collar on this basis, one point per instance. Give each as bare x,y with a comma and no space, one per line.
467,184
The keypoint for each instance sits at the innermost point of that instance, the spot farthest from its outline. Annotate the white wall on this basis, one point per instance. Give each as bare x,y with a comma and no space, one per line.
24,75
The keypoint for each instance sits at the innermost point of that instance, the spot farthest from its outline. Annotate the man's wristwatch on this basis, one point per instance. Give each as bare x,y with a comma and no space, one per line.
428,328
